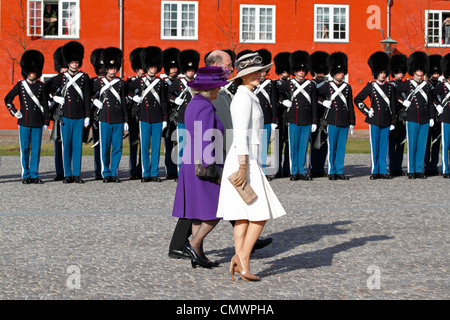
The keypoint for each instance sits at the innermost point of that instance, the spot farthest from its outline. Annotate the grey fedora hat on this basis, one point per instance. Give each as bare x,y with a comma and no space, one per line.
249,63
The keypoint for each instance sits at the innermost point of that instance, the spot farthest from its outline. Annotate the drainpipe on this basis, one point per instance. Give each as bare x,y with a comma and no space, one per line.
388,31
121,32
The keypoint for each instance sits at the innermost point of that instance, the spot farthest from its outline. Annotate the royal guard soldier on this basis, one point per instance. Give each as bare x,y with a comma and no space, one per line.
318,141
381,115
74,99
419,111
434,133
180,94
60,66
134,164
397,136
337,97
442,102
110,106
153,116
231,88
266,92
33,115
100,71
282,69
172,70
301,103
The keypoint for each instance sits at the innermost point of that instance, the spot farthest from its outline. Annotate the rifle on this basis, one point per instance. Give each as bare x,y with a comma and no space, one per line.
322,128
57,113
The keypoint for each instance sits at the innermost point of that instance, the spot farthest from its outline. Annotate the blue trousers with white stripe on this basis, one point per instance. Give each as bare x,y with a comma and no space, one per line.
445,147
298,147
72,144
417,142
379,138
150,135
30,151
110,147
337,142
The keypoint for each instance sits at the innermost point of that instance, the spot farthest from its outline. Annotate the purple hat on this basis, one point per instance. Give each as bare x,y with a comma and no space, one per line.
208,78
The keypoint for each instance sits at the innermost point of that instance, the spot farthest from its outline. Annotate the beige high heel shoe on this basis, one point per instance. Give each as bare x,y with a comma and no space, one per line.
236,266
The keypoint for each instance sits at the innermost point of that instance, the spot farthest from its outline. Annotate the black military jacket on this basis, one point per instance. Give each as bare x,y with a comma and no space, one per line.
441,94
151,110
175,90
385,112
421,109
32,115
114,110
266,94
341,114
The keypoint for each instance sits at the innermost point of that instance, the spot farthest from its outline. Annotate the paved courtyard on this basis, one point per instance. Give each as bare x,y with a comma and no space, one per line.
356,239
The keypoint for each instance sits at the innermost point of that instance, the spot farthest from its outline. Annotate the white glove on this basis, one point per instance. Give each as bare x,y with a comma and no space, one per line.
273,126
313,127
137,99
327,104
431,122
179,101
98,104
164,125
371,113
18,115
392,127
351,130
59,100
406,103
125,127
86,122
287,103
440,109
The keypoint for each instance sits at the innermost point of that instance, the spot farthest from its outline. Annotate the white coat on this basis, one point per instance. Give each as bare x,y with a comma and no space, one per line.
248,123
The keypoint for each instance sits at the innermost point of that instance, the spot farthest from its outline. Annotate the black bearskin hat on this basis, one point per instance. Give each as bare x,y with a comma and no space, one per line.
58,60
135,59
319,62
300,60
338,62
96,60
32,61
435,64
112,58
151,56
418,61
232,55
189,60
281,61
398,64
73,51
170,58
379,62
445,65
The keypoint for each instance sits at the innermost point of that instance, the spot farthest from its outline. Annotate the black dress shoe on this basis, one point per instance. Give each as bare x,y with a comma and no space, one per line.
304,177
421,176
332,177
26,181
145,179
341,177
171,176
446,176
411,175
155,179
98,177
196,260
77,179
294,177
107,179
115,179
135,177
374,176
385,176
37,181
261,243
67,180
269,178
59,177
179,254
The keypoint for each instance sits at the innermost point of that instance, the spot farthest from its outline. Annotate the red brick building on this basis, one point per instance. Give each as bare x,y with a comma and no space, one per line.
351,26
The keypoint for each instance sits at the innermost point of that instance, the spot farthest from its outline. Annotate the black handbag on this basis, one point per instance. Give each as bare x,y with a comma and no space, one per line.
212,172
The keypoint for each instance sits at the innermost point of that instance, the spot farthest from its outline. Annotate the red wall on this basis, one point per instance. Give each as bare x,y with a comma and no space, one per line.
294,31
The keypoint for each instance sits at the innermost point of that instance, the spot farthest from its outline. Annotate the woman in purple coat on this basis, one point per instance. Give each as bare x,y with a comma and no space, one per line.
197,198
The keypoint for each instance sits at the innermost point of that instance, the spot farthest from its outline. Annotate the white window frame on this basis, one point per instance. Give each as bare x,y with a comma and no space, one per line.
257,23
179,18
440,35
75,35
331,30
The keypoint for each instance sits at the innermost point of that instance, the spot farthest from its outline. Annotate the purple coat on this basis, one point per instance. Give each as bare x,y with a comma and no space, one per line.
195,198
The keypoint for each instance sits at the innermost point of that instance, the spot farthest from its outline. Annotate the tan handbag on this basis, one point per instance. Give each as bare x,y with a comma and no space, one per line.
245,190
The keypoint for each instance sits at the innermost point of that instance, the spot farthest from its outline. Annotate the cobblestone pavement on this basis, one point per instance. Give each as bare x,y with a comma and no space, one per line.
356,239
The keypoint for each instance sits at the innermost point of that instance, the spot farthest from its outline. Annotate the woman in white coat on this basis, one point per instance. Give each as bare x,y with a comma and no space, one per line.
244,157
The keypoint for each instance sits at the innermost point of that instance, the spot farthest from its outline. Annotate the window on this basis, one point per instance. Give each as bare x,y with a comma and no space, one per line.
179,20
257,24
53,18
437,28
331,23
